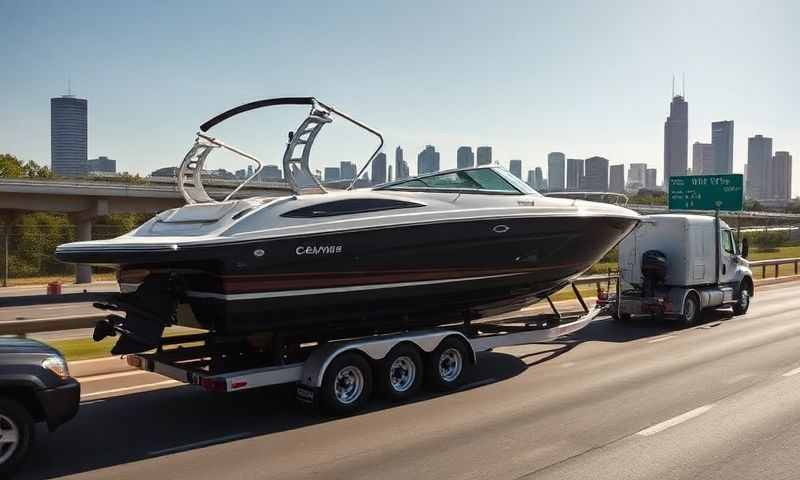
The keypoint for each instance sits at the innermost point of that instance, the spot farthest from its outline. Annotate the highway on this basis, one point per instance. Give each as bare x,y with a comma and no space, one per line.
613,401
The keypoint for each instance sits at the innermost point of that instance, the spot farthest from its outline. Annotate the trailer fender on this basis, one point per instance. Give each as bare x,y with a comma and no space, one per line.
374,348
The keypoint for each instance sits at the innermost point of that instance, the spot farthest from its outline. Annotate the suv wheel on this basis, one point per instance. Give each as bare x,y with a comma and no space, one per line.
16,434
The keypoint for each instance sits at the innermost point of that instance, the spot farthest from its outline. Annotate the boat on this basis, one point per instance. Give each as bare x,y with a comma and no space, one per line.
442,248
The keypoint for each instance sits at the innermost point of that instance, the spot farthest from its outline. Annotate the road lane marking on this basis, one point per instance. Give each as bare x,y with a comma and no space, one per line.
204,443
106,376
661,339
792,372
92,402
660,427
128,389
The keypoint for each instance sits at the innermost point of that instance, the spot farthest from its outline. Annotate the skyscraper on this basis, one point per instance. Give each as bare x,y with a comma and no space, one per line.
759,159
389,177
400,166
484,155
379,169
538,179
596,179
637,175
515,167
781,185
616,178
347,170
703,159
428,160
676,138
464,157
555,171
651,179
531,179
722,140
331,174
574,174
68,137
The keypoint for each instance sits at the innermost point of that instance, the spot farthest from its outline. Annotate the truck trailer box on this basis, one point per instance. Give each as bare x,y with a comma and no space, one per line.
688,241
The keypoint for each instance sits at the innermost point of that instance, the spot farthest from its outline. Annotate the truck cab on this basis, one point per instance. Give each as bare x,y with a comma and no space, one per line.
677,265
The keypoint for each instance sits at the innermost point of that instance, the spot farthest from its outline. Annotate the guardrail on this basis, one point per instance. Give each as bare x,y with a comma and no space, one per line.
22,327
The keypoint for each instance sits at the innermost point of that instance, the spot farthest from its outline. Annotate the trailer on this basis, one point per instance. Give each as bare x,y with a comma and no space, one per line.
339,376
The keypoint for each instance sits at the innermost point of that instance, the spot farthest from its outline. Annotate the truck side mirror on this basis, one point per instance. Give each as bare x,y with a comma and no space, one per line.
745,248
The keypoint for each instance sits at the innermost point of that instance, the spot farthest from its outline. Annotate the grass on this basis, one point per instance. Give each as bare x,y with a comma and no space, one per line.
75,349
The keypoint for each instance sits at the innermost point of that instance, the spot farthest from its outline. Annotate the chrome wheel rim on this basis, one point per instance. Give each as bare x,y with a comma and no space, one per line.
450,364
9,438
402,373
349,385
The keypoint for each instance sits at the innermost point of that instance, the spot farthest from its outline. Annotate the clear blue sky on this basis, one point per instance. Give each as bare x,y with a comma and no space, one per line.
585,78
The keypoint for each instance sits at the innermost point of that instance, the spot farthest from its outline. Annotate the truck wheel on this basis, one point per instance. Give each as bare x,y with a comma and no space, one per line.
400,373
16,434
741,306
691,310
447,365
346,385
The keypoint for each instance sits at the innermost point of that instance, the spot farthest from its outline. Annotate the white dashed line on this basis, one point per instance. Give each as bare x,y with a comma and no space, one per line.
107,376
128,389
792,372
660,427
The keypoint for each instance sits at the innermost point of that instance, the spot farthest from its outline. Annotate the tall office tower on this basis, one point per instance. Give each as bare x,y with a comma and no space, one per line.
101,164
759,163
676,138
270,173
651,179
428,160
531,179
484,155
616,178
464,157
379,169
703,159
347,170
637,174
722,140
515,167
596,179
781,185
538,179
332,174
68,137
555,171
574,174
400,166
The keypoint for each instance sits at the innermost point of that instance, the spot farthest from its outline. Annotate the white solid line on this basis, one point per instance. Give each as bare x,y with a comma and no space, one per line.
92,402
127,389
792,372
661,339
204,443
660,427
106,376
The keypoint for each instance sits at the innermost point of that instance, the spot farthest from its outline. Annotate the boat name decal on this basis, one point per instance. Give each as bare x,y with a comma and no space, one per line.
318,250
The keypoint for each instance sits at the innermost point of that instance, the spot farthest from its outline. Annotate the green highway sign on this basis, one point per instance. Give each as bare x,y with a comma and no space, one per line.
706,192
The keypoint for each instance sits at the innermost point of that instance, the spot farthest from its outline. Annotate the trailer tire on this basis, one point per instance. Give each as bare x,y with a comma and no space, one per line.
743,303
691,310
346,385
15,421
400,373
447,365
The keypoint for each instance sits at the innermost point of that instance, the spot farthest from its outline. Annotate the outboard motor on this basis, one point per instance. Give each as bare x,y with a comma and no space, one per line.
654,271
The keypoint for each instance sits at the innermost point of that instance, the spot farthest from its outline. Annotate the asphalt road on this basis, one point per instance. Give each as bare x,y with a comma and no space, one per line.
638,401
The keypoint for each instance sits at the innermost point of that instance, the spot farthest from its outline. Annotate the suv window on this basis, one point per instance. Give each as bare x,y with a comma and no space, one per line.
349,206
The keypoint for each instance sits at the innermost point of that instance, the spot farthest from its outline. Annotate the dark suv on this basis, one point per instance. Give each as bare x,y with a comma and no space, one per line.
35,386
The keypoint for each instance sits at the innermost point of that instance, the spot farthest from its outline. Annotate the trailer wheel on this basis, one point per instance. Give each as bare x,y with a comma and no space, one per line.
691,310
447,365
400,373
346,385
741,306
16,435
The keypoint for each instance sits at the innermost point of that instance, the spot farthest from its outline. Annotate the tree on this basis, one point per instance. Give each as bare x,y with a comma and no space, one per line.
10,167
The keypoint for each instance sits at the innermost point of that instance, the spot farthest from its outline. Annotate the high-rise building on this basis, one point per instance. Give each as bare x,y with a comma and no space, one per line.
651,179
538,179
555,171
781,173
332,174
531,179
400,166
616,178
637,175
464,157
389,177
347,170
379,169
428,160
270,173
101,164
703,159
515,167
676,138
68,137
574,174
484,155
759,160
722,140
596,179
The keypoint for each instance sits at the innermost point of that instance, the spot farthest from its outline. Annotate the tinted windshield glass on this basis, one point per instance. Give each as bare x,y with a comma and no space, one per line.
470,180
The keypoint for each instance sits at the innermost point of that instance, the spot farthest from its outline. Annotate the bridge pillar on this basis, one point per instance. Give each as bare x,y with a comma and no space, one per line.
84,222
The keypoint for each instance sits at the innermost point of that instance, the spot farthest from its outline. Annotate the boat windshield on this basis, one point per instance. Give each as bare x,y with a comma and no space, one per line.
475,180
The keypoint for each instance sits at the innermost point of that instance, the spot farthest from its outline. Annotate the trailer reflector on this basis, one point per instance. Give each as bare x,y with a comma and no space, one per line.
214,384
